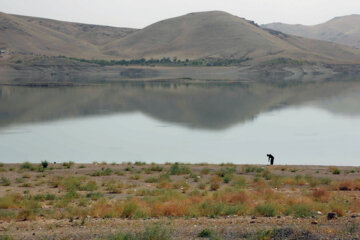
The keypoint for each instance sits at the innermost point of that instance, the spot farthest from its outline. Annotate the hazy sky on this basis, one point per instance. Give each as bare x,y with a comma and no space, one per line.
140,13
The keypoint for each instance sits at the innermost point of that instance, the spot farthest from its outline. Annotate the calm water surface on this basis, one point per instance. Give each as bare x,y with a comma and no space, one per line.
312,123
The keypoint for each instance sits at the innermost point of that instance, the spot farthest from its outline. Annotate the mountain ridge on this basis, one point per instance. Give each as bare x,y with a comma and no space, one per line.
343,30
212,34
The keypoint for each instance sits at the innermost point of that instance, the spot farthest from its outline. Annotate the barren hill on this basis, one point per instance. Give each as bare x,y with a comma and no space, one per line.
344,30
212,34
222,35
50,37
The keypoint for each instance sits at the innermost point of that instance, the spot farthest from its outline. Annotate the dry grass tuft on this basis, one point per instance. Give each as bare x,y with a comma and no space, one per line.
321,195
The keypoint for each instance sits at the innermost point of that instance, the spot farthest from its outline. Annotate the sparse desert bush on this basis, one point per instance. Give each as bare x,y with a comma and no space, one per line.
156,168
89,186
55,181
28,166
177,169
13,200
227,178
68,164
345,185
325,181
140,163
102,172
312,181
299,211
265,210
215,183
251,169
266,174
44,197
205,171
5,237
26,185
233,197
277,181
173,208
72,183
339,208
152,232
28,210
135,177
164,178
104,208
5,181
151,180
94,195
147,171
300,180
239,182
113,186
225,171
129,210
321,195
206,233
335,171
181,185
7,215
202,186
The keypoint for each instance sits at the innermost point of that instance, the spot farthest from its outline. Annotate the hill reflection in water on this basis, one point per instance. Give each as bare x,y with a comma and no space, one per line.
203,106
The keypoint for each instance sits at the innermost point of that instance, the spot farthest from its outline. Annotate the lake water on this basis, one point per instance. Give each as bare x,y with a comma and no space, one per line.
308,123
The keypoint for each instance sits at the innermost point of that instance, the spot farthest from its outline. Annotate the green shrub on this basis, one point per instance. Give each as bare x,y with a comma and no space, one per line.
276,181
266,210
325,181
156,232
176,169
44,164
102,172
27,165
72,183
255,169
5,237
156,168
140,163
153,232
225,171
151,180
94,195
206,233
5,181
129,210
89,186
214,186
299,211
266,174
43,197
68,164
336,171
10,201
313,182
239,182
227,178
121,236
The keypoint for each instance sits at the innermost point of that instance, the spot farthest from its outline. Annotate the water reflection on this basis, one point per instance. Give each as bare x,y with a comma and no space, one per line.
206,106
